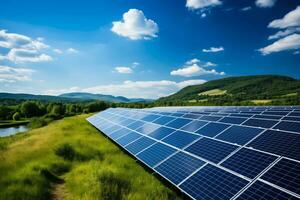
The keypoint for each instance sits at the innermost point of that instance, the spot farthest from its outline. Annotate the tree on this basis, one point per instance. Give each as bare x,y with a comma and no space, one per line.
16,116
30,109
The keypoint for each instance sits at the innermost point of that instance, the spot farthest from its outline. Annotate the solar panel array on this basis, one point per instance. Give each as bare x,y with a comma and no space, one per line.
214,152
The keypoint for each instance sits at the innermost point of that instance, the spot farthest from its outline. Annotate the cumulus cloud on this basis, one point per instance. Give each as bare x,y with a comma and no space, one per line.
58,51
12,74
124,70
284,33
246,8
72,50
202,4
25,55
195,67
135,89
287,39
135,26
265,3
291,42
213,49
23,48
291,19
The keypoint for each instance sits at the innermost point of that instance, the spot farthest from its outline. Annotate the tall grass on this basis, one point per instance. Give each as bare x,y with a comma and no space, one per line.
72,153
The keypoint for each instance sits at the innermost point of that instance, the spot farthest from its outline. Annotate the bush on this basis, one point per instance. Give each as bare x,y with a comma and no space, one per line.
16,116
113,186
37,123
66,151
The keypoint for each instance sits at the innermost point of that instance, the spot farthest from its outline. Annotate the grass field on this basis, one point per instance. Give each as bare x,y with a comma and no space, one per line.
214,92
69,159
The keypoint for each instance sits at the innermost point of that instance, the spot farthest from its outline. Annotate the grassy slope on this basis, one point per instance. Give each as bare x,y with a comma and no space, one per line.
247,87
30,169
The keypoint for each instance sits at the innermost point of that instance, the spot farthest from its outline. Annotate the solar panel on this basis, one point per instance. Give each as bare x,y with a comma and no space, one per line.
262,191
239,134
179,166
180,139
194,125
213,183
214,152
249,162
286,174
278,142
156,153
178,123
211,150
212,129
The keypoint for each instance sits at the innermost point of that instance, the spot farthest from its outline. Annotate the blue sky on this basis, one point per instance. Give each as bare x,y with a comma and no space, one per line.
141,48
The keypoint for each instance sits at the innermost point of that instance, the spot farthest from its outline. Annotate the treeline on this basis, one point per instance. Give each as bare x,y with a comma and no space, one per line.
31,109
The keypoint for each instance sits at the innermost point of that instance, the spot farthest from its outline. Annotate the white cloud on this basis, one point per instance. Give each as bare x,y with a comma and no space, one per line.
291,19
283,33
265,3
213,49
72,50
134,89
202,4
195,67
135,26
246,8
124,70
58,51
288,39
12,74
26,55
291,42
23,48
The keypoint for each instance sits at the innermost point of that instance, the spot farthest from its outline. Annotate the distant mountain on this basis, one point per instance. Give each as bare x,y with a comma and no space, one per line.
71,97
102,97
245,88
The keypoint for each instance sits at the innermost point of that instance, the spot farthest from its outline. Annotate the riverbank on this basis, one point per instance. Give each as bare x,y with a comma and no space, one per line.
69,158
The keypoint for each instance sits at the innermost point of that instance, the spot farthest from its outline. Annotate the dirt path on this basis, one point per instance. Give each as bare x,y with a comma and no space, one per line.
58,192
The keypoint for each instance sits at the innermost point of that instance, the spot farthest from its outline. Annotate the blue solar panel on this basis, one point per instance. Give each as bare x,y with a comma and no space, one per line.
150,118
139,145
156,153
164,120
288,126
212,183
278,142
239,134
211,150
286,174
161,133
248,162
119,133
179,166
262,191
193,126
210,118
212,129
130,137
233,120
180,139
178,123
147,128
260,123
206,159
135,125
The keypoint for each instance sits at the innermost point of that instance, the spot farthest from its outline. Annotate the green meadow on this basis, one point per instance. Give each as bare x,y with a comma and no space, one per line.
69,159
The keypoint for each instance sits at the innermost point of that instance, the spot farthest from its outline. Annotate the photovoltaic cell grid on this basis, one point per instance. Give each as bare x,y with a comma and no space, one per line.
214,152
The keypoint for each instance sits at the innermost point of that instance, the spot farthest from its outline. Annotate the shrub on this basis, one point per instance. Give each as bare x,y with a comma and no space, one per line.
66,151
113,186
37,123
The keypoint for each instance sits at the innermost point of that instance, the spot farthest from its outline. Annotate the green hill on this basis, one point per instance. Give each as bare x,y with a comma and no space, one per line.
256,89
